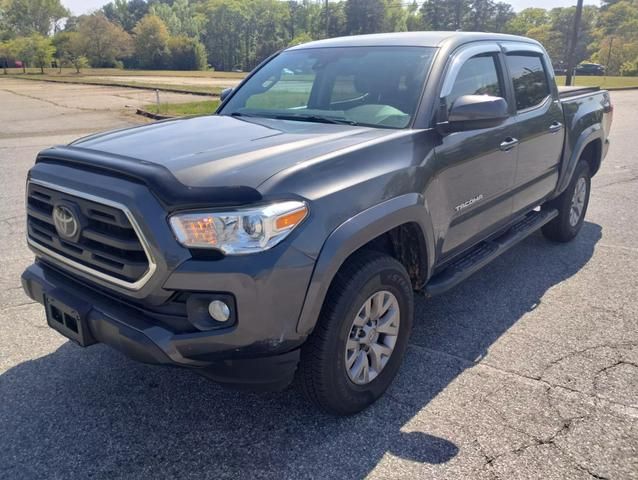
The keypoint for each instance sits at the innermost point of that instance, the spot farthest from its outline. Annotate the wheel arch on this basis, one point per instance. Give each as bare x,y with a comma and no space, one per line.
400,227
589,146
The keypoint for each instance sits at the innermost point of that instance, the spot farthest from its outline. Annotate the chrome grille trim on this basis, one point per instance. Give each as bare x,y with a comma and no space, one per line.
84,269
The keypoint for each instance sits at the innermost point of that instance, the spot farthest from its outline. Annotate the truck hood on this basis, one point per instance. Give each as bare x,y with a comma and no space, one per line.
215,150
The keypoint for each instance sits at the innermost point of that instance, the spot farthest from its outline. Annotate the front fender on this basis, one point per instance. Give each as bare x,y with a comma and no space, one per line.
352,235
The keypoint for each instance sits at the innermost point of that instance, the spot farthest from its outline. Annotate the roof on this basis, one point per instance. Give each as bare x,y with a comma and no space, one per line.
412,39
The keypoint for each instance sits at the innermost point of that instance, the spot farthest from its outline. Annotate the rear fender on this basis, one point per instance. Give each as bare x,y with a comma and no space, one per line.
594,132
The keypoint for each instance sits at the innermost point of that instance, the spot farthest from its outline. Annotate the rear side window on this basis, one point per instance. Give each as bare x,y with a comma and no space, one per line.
530,79
477,76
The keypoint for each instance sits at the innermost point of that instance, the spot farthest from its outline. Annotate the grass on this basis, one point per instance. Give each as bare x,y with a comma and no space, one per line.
602,82
94,76
111,72
196,89
181,109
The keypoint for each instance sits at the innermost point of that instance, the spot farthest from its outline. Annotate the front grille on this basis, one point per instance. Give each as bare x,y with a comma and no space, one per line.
107,246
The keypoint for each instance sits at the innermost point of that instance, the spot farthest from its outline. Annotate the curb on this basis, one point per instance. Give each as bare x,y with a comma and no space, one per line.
154,116
107,84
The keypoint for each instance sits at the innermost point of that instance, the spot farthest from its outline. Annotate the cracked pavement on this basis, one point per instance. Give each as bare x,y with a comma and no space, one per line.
527,370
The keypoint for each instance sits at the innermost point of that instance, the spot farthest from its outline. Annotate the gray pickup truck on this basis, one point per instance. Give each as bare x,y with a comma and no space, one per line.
285,236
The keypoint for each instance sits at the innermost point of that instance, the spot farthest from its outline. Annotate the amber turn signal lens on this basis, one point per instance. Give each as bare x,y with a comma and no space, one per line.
240,231
291,219
200,231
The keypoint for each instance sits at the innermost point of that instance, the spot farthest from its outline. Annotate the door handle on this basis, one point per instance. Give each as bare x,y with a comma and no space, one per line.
555,127
507,144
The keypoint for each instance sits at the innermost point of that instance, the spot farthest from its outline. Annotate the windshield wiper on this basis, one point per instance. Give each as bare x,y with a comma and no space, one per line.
297,116
240,114
313,118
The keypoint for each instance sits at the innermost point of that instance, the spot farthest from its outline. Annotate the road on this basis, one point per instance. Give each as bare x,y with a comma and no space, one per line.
527,370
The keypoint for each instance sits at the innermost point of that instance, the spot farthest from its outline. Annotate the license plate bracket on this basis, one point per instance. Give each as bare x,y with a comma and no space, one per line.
69,320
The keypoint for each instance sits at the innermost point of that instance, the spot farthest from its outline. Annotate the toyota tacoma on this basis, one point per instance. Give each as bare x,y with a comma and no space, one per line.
285,235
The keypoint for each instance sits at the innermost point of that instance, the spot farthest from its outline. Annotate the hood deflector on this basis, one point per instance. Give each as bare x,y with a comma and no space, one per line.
159,179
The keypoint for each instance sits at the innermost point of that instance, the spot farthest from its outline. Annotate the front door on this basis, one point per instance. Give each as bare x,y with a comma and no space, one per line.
477,167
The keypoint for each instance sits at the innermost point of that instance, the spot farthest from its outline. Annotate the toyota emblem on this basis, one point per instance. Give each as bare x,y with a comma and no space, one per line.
65,221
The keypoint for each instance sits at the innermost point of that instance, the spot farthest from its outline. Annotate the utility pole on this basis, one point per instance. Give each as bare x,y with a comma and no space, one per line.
327,18
611,42
572,44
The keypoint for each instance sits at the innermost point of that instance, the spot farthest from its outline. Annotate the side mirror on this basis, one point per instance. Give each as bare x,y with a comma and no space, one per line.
472,112
225,92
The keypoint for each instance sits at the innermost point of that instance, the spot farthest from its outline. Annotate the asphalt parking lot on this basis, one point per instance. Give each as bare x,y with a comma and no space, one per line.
527,370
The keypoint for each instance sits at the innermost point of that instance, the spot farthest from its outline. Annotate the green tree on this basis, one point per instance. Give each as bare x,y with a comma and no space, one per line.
444,14
43,51
150,37
70,50
365,16
413,17
337,26
562,22
5,30
617,53
551,40
229,34
527,19
434,15
26,17
480,13
180,18
18,50
502,15
103,42
23,51
187,53
125,13
617,37
395,17
34,50
299,39
60,41
165,12
269,33
6,54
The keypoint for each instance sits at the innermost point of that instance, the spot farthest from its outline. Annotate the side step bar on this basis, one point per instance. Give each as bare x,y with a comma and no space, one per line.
485,252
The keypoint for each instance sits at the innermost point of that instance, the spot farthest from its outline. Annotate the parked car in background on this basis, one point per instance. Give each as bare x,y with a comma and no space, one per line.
560,68
590,69
286,235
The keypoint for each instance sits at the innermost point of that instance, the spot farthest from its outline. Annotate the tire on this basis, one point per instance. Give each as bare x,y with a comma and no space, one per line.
323,374
563,228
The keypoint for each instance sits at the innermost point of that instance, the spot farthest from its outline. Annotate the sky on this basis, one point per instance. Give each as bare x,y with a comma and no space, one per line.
79,7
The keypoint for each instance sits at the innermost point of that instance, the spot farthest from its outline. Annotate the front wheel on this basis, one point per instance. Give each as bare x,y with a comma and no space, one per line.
362,334
571,205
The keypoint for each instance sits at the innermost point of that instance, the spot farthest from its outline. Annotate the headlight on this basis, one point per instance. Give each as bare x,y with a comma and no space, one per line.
239,231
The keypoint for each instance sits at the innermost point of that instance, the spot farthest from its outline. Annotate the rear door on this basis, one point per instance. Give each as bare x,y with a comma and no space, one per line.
539,124
476,167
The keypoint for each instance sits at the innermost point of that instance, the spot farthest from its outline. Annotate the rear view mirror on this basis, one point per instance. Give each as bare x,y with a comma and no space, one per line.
471,112
225,93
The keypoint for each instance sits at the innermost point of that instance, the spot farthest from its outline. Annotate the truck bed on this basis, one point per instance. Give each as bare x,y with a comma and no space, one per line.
567,92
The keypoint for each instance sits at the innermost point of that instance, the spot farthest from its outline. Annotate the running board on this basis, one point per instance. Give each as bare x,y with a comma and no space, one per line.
486,251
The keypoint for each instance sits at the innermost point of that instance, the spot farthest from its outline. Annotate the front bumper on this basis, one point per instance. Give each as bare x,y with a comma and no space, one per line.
143,339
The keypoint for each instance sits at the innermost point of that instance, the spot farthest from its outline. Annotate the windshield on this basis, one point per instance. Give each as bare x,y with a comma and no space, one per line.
372,86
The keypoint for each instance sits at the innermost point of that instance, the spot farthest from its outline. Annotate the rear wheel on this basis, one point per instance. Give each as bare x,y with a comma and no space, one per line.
359,342
571,205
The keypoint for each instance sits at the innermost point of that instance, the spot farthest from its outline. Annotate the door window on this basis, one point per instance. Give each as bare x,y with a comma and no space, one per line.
530,79
478,76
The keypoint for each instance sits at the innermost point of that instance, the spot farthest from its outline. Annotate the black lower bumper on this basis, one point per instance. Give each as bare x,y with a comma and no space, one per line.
125,329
